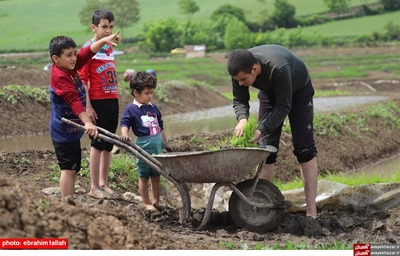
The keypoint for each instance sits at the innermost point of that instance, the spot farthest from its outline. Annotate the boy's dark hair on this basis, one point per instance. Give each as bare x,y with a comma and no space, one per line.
59,43
240,60
141,81
102,14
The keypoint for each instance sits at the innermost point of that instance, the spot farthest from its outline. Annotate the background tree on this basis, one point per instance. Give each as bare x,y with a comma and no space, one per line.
228,9
337,6
126,12
391,5
85,15
263,21
237,35
163,35
392,31
188,7
283,15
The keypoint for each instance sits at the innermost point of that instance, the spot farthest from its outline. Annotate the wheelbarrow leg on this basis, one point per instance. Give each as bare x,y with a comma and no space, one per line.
186,204
210,203
253,188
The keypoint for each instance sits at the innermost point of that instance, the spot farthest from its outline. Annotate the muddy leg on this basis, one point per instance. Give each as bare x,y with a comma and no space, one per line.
310,174
67,181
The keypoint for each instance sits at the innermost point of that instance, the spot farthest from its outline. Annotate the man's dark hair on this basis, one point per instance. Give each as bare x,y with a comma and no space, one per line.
240,60
141,81
102,14
59,43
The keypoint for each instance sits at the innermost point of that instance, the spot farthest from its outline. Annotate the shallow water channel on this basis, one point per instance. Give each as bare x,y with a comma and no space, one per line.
205,121
202,121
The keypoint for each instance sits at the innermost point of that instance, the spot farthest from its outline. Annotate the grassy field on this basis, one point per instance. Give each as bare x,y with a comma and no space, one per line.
213,72
354,27
28,25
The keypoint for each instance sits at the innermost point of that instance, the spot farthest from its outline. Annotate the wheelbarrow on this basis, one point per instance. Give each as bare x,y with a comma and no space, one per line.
255,204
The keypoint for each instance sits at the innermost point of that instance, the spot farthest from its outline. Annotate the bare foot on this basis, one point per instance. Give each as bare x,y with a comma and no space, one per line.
108,190
98,193
149,208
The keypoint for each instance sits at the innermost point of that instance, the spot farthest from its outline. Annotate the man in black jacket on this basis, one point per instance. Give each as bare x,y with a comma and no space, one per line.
285,90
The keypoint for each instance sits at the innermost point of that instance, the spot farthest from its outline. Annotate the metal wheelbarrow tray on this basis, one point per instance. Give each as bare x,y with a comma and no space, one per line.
255,204
224,165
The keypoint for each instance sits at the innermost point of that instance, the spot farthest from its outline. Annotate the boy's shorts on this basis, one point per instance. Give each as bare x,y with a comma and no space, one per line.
69,155
153,145
107,117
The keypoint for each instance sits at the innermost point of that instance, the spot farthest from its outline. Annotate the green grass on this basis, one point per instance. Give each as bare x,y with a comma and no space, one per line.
286,245
354,27
328,93
29,25
342,66
354,180
203,69
331,124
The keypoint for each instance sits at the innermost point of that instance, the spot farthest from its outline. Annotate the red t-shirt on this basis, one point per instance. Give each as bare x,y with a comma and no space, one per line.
100,74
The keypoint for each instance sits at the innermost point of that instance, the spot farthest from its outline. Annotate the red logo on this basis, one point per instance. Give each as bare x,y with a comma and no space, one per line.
362,249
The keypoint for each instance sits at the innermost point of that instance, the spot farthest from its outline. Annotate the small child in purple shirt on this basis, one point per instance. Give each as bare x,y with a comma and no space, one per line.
144,118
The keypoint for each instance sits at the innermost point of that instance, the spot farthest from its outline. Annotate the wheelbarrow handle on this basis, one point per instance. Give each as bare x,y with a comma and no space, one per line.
116,140
149,160
131,144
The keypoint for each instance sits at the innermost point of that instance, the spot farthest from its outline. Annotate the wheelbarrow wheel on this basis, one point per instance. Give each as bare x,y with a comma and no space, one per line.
255,218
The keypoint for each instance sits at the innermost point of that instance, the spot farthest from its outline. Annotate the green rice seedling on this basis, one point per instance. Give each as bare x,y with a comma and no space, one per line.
246,140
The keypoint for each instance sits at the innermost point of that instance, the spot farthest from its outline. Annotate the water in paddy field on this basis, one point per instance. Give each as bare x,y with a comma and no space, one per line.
202,121
212,120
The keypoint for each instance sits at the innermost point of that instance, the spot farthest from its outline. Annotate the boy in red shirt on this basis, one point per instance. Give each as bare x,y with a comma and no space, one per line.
68,97
100,76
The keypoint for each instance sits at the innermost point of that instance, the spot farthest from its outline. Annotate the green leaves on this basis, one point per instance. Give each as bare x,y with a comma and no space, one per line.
14,93
248,134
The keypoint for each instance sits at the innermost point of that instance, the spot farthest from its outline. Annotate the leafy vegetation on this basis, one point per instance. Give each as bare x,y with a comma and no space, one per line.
14,93
357,123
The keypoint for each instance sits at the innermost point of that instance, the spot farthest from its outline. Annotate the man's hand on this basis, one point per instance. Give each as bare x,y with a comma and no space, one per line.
240,127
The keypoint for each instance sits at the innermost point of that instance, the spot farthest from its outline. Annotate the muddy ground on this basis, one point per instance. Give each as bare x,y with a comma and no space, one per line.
119,223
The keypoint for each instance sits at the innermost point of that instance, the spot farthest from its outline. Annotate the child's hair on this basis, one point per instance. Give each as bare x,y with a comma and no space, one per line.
59,43
141,81
102,14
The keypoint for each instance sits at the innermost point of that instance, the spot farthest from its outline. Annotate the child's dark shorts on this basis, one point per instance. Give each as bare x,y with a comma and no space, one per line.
107,111
69,155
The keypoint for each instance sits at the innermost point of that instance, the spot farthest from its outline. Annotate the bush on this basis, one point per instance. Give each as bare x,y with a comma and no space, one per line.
237,35
391,5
